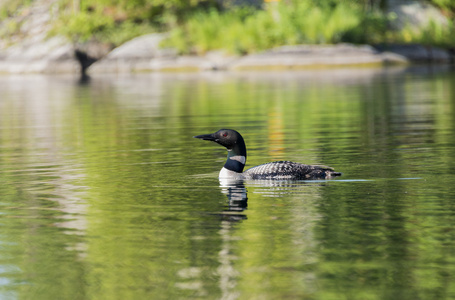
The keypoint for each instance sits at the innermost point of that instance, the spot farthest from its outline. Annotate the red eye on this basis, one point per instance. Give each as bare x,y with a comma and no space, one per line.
225,134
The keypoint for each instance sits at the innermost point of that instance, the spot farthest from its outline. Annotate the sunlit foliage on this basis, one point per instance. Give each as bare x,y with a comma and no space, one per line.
246,30
117,21
198,26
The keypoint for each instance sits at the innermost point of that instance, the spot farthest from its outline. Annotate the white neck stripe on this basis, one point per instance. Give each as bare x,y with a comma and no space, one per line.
239,158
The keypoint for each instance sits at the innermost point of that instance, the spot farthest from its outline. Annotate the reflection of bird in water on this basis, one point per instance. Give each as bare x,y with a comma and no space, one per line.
237,199
281,170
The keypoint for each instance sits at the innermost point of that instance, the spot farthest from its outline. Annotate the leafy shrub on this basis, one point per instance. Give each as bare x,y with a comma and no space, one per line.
246,30
447,5
198,26
117,21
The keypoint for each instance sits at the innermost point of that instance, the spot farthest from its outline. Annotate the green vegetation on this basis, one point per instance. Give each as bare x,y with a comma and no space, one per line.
243,30
298,22
446,5
116,21
85,26
433,35
10,7
198,26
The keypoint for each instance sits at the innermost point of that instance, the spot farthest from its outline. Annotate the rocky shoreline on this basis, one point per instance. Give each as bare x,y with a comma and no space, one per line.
32,51
143,54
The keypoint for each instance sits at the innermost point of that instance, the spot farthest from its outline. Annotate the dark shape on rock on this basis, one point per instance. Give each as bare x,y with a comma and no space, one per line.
84,60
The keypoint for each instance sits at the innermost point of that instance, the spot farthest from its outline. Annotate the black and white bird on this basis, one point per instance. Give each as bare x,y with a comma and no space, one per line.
280,170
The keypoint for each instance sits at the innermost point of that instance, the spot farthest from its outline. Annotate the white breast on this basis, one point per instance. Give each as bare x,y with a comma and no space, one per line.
228,174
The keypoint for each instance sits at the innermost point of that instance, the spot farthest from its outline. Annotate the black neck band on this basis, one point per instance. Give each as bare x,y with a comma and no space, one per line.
234,165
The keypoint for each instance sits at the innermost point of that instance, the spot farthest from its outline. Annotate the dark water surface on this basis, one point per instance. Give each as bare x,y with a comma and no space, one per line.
104,194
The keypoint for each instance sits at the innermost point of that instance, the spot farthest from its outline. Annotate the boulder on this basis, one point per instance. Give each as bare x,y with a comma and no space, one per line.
135,55
414,14
144,54
301,56
28,49
418,53
54,55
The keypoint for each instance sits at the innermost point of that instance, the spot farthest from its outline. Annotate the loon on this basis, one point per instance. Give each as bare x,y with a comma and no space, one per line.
281,170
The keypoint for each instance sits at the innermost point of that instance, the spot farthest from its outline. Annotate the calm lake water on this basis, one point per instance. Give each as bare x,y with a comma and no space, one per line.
104,193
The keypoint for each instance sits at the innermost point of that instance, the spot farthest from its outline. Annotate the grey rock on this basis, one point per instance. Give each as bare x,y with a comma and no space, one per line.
94,49
317,55
143,47
139,54
414,14
30,50
151,58
54,55
418,53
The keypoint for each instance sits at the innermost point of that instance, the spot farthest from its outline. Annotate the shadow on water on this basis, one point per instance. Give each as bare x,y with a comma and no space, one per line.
84,79
237,195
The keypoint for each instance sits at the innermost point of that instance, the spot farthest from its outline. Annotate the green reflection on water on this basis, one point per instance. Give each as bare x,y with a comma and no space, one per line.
105,195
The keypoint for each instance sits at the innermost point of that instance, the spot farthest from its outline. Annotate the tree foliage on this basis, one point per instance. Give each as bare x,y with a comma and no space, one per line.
116,21
198,26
